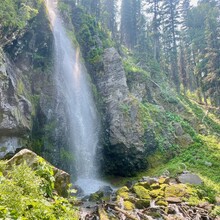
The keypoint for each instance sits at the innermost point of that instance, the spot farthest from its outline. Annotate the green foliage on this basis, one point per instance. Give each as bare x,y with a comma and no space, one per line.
91,36
66,156
23,197
132,69
201,115
16,13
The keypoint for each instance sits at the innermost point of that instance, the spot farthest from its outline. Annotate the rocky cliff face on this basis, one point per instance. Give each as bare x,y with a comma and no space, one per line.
31,110
15,108
124,131
25,61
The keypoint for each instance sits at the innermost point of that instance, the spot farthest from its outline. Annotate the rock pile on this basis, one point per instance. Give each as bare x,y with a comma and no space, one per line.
154,198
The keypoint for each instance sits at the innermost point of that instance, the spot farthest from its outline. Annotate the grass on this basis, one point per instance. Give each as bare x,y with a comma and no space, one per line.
195,159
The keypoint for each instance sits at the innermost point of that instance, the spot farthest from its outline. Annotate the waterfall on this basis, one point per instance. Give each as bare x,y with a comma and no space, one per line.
72,82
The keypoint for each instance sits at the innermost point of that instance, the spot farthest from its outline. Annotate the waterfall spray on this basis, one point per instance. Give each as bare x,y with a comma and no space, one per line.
72,82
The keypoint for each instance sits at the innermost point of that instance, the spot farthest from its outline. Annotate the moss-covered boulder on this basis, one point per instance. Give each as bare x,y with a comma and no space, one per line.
156,192
155,186
61,178
162,203
128,205
95,197
123,192
141,192
177,190
142,203
145,184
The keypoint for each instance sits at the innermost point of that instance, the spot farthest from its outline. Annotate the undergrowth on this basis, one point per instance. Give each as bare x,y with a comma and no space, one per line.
28,195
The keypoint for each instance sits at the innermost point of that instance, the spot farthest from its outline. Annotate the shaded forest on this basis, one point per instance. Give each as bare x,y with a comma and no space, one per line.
170,36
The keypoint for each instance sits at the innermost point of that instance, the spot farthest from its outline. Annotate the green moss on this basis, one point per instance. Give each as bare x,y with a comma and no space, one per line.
156,192
216,211
162,203
20,87
128,205
142,203
146,185
95,197
65,155
123,192
178,190
155,186
3,149
141,192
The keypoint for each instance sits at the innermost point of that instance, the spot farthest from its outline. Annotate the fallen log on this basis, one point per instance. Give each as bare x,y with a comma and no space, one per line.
102,213
116,208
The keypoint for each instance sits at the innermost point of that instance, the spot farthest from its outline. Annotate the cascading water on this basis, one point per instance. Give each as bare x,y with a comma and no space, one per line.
72,82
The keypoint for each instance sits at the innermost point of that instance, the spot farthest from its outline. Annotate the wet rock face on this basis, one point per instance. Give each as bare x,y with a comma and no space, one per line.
15,109
29,77
124,132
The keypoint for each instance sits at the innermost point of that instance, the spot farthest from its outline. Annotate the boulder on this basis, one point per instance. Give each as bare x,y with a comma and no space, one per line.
178,129
141,192
189,178
62,179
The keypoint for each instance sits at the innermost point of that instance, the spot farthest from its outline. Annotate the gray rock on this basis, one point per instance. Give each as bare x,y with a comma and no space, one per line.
190,178
178,129
208,164
15,108
184,140
125,133
150,180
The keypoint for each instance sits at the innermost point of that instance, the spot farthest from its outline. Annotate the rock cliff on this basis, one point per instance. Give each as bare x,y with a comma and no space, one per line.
124,131
15,108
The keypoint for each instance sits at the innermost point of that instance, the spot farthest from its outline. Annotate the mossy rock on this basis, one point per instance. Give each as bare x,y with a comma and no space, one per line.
95,197
142,203
177,190
146,185
141,192
123,192
163,180
156,192
128,205
163,186
155,186
162,203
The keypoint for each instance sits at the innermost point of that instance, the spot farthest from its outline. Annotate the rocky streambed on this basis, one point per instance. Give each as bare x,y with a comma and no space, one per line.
151,198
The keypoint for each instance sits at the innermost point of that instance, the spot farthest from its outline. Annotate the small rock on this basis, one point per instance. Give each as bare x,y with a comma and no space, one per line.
155,186
142,203
173,199
190,178
107,190
207,206
208,164
171,210
148,179
162,203
178,129
130,184
163,180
